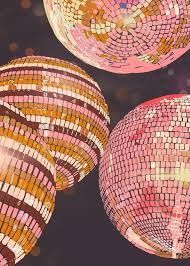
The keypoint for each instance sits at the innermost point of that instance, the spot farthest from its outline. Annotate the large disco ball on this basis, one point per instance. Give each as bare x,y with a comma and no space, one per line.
122,36
27,191
68,107
145,176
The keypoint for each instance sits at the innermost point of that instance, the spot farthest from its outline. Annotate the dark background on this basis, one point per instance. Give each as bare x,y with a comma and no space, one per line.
80,233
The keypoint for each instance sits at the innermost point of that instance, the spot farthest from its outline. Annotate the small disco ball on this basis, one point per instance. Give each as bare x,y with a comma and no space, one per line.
122,36
68,107
145,176
27,190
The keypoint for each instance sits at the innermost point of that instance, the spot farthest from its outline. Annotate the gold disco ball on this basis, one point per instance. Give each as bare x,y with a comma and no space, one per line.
67,106
27,189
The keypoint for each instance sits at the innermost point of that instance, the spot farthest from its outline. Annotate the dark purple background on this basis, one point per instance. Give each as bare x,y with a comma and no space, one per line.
79,233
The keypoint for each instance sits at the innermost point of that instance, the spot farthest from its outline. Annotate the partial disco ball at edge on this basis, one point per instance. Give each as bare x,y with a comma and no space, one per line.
27,190
67,106
145,176
122,36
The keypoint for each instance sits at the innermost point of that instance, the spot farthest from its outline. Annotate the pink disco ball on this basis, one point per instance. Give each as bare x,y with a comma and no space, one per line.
145,176
122,36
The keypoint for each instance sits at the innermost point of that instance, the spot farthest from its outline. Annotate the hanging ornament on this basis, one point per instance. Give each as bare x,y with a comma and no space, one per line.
27,191
145,176
68,107
122,36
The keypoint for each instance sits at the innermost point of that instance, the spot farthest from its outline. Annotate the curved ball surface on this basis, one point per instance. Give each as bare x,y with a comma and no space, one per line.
122,36
27,191
68,107
145,176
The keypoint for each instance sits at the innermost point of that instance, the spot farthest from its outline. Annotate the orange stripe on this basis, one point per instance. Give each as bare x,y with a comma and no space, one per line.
69,85
27,182
8,133
50,62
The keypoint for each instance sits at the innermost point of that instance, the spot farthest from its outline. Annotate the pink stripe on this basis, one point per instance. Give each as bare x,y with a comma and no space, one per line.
20,216
10,209
30,218
77,142
53,191
4,209
58,75
3,261
43,179
38,232
56,103
14,213
64,171
26,133
32,224
72,106
36,227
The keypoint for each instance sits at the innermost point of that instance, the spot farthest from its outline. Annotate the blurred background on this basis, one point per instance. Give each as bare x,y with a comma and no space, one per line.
80,233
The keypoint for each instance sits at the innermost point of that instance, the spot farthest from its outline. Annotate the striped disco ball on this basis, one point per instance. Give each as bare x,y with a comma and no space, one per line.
122,36
67,106
27,190
145,176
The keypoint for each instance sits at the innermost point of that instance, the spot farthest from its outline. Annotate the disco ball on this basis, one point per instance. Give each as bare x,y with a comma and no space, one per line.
27,191
122,36
68,107
145,176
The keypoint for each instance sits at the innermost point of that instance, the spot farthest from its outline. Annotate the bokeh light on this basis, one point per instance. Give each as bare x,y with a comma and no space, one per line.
171,72
38,10
25,4
122,36
35,252
29,51
121,95
68,107
13,47
145,176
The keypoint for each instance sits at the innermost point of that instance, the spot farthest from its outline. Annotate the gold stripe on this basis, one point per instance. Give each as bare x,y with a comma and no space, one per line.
69,85
20,236
27,142
51,62
29,183
38,109
62,182
70,150
81,160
